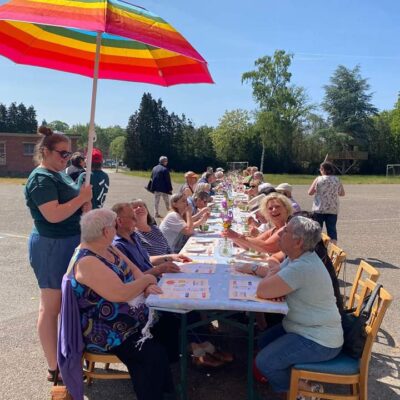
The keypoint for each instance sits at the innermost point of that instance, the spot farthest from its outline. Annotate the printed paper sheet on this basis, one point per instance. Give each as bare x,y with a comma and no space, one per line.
185,289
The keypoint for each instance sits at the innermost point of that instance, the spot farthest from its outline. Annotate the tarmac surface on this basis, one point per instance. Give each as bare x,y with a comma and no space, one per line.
368,228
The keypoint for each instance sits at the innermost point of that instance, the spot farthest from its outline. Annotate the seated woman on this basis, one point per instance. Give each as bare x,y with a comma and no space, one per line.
104,281
198,203
127,241
178,224
276,208
312,330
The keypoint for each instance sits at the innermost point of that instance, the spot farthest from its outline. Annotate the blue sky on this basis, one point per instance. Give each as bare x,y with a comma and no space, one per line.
231,35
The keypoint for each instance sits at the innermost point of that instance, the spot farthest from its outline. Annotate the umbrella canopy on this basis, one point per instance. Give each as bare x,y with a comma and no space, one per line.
136,44
109,39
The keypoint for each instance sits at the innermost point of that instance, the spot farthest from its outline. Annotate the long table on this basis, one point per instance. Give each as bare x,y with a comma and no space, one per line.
218,304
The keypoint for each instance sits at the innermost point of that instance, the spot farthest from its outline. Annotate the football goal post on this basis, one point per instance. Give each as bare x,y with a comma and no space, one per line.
237,165
392,169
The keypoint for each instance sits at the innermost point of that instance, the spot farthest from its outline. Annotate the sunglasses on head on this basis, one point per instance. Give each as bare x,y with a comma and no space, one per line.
64,154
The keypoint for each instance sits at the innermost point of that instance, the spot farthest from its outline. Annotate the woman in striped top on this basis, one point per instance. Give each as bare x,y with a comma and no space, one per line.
147,230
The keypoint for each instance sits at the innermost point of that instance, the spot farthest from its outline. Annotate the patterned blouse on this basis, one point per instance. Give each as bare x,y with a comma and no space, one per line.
154,241
107,324
326,199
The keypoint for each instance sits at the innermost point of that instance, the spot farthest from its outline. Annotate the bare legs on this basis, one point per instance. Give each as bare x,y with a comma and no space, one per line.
50,304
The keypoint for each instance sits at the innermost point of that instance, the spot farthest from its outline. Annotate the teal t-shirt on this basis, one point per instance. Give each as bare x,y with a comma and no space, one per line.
313,312
44,186
100,183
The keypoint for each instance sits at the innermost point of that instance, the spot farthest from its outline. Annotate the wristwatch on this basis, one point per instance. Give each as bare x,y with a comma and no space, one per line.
254,269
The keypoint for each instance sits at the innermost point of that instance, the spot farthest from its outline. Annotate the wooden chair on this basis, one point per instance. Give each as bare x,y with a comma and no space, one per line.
343,369
89,362
325,239
358,289
337,256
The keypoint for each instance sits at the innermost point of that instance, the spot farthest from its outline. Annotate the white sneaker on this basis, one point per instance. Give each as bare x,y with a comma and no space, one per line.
316,388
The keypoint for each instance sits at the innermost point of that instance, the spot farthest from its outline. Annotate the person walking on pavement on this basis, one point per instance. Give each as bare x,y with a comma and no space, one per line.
161,184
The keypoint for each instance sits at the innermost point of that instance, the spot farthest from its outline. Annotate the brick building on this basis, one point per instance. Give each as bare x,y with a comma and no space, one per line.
16,152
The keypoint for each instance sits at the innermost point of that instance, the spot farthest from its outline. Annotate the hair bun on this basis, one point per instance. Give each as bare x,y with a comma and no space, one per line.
44,130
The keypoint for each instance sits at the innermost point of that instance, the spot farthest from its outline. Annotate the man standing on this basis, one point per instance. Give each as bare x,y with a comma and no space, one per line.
161,184
99,180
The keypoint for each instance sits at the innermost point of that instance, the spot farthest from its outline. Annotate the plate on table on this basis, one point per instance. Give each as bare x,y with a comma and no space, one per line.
196,249
205,232
253,255
204,240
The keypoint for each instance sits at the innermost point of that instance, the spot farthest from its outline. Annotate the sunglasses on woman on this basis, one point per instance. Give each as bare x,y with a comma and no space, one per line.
64,154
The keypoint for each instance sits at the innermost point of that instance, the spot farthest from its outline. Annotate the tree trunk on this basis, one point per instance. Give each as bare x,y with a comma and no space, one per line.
262,159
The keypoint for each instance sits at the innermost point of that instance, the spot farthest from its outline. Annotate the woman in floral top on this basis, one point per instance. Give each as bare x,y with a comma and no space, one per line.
111,291
327,188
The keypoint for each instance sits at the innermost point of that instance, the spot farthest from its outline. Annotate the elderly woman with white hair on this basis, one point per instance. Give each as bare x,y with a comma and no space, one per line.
312,330
104,280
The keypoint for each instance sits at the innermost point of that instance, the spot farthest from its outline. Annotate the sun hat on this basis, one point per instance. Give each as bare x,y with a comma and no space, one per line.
264,186
191,174
97,156
284,187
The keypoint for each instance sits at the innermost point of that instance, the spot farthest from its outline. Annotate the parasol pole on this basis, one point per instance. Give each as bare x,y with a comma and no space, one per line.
92,133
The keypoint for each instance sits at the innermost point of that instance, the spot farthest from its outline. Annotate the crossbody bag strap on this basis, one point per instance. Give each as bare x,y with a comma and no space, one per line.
366,311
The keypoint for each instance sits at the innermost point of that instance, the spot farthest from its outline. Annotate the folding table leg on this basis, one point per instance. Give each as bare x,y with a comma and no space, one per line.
250,356
184,356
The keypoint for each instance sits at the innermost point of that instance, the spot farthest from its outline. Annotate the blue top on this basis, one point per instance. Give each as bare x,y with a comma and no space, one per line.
313,313
160,179
154,241
134,251
107,324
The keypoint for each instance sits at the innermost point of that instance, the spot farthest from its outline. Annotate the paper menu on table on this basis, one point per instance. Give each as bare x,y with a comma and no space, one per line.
243,290
197,268
185,289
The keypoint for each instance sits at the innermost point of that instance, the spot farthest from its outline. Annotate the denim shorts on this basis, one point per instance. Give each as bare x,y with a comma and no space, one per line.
49,258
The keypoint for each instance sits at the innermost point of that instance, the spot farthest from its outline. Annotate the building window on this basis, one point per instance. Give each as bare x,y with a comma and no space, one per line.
3,153
29,149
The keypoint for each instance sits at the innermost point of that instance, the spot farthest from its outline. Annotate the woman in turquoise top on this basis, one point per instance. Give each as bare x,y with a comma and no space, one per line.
104,282
56,205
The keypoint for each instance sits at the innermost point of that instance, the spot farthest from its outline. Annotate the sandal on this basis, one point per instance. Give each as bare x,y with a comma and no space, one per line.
51,375
207,361
223,356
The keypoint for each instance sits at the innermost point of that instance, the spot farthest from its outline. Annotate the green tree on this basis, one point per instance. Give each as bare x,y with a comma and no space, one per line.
348,102
149,134
12,118
282,106
3,118
117,149
232,136
59,126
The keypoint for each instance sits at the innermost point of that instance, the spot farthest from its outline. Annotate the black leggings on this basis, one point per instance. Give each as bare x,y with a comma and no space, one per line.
148,367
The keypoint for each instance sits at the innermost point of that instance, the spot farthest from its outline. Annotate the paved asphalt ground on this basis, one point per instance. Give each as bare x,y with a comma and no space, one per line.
368,228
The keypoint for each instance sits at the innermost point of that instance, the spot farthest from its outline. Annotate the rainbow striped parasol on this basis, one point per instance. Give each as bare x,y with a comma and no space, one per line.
107,39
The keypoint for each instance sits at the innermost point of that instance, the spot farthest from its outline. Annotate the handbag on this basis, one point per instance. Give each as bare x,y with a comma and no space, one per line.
353,326
148,187
59,392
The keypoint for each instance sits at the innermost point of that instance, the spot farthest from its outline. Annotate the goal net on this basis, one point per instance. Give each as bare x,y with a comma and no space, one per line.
237,165
393,170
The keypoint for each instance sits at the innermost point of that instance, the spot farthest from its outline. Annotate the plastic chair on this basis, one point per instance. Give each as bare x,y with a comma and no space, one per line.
89,363
343,369
337,256
358,289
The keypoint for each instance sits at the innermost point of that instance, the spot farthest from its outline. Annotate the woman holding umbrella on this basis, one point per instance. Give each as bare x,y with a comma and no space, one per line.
56,204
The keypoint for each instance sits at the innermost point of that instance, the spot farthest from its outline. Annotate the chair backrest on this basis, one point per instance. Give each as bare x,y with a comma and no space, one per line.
325,239
359,289
337,256
378,312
